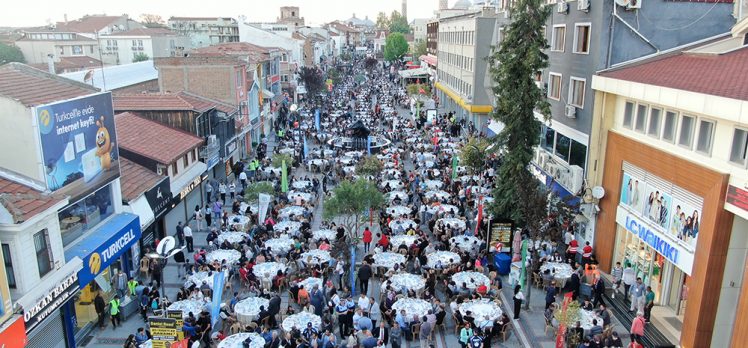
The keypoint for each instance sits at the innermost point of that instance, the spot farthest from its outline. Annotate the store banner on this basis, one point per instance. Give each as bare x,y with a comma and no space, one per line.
78,144
501,231
668,214
164,331
662,243
159,197
48,296
14,335
218,282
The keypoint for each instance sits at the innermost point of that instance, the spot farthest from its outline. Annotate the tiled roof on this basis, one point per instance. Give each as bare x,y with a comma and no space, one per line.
22,201
143,32
152,139
136,179
33,87
77,37
71,63
182,101
88,24
255,53
722,75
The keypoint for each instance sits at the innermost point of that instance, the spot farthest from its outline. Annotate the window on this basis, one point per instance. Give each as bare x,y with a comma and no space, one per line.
9,267
554,86
558,41
193,154
628,115
685,136
705,138
43,254
90,49
641,118
576,92
62,50
547,138
563,144
174,169
578,154
668,128
582,38
739,146
85,214
654,122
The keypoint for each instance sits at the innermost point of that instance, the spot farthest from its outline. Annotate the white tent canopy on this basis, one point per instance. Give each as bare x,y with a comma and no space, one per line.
414,73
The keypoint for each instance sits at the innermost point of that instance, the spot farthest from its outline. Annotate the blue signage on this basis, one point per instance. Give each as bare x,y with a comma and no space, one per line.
79,144
105,245
644,233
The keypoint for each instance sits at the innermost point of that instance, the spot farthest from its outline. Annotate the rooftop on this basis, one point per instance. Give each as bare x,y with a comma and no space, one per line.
136,179
182,101
152,139
714,74
144,32
256,53
71,63
117,76
87,24
23,202
32,87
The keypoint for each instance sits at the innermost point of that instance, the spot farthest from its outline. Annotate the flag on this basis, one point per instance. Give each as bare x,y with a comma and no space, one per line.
454,167
284,177
316,119
480,215
218,282
305,148
523,260
368,145
264,202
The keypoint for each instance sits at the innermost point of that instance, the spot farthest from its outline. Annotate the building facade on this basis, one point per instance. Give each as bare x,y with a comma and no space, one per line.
206,31
290,16
135,45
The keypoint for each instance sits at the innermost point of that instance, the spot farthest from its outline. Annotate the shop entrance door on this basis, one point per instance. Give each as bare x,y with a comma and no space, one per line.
675,290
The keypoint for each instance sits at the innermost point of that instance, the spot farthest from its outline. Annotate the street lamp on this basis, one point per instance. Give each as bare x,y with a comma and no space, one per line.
162,264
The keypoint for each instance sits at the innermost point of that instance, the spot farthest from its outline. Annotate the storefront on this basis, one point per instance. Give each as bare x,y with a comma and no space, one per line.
105,252
187,192
43,307
13,334
159,200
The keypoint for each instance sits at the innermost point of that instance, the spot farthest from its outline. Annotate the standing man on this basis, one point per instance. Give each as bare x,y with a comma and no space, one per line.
425,332
637,296
649,300
114,311
586,254
476,341
208,190
187,231
100,306
120,283
598,289
364,274
180,234
243,175
222,192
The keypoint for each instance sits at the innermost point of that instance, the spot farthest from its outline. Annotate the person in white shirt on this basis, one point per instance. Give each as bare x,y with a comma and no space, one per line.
243,180
364,303
232,190
187,230
222,192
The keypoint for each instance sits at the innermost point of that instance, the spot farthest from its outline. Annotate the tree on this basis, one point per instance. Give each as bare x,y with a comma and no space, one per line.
369,166
252,193
313,79
395,47
140,57
398,23
10,54
474,153
567,316
334,75
152,20
419,48
383,22
349,201
512,68
278,159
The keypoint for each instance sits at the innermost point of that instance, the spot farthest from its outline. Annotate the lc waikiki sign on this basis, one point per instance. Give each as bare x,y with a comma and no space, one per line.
661,243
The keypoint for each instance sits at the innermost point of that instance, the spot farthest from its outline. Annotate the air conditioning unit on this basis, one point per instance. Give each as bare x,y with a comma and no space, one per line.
577,178
571,111
634,4
562,7
212,140
583,5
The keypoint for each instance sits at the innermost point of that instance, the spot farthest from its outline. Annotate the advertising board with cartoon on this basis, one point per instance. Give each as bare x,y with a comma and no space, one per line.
78,144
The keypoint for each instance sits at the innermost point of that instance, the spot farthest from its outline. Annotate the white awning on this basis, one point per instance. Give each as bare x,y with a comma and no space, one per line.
141,208
413,73
46,286
267,94
187,178
494,127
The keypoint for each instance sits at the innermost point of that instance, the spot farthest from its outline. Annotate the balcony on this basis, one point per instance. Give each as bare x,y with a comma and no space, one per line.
210,154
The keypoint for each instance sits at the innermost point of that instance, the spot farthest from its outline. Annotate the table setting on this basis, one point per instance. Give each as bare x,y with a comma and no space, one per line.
279,246
292,210
452,223
433,184
268,270
442,208
393,184
253,207
397,241
398,210
300,321
436,194
402,282
402,224
388,259
471,279
481,308
248,309
397,194
272,171
189,306
302,184
316,257
306,197
561,271
470,244
199,277
288,227
231,237
237,341
412,306
328,234
445,258
239,222
586,317
310,282
231,256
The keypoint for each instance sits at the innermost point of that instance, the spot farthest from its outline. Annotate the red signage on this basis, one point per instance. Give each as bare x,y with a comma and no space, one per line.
737,197
14,336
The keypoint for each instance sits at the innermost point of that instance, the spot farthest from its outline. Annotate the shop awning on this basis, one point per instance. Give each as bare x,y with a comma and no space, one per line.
142,209
189,176
414,73
104,245
266,94
429,59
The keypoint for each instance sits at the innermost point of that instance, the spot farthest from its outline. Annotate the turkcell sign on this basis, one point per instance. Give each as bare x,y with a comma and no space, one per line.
662,244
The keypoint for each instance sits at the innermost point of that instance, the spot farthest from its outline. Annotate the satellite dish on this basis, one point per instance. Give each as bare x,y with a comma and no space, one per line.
166,246
598,192
624,3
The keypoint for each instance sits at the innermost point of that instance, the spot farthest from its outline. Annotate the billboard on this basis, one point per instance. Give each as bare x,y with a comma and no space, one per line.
78,144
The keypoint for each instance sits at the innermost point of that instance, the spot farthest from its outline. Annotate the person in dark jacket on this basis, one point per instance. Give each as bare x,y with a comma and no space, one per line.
573,285
100,306
364,274
381,333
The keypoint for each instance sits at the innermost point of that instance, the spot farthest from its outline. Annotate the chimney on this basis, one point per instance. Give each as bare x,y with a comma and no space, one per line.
51,64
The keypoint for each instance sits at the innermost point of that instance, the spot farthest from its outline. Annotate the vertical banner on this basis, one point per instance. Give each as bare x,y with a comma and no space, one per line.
368,145
480,215
164,331
264,202
177,316
454,167
316,119
305,147
218,282
284,177
352,275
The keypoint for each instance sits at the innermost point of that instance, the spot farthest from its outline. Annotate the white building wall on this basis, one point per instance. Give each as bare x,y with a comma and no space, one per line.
260,37
20,136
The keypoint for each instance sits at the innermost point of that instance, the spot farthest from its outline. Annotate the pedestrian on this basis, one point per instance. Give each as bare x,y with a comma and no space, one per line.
114,305
232,190
465,333
617,274
425,332
648,303
550,294
364,274
571,251
598,290
638,291
208,191
519,297
586,254
243,176
476,341
222,192
120,283
217,206
367,239
100,307
144,302
180,234
637,326
198,217
395,336
208,213
188,237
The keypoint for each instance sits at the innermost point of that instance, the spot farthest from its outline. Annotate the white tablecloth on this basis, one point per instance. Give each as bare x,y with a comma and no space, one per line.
396,241
452,223
187,306
300,321
301,184
310,282
268,270
279,246
471,279
388,259
316,257
436,194
562,270
231,256
290,227
306,197
412,307
248,309
199,277
398,210
447,258
253,207
237,340
272,171
239,222
399,194
442,208
469,244
481,308
585,318
433,184
403,224
402,282
330,235
291,210
394,184
232,237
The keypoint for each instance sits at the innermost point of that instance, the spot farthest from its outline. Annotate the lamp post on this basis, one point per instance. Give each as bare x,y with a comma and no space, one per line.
161,263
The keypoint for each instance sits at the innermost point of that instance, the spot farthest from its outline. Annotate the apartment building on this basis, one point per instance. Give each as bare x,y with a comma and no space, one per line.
206,31
134,45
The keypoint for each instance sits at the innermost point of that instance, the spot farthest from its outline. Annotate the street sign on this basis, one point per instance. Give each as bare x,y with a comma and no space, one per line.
164,331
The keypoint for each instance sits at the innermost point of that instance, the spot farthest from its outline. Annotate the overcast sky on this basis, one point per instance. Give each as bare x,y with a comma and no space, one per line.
39,12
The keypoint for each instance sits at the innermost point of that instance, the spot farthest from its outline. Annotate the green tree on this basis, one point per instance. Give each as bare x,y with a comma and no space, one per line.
395,47
313,79
252,193
369,166
416,88
349,201
419,48
334,75
398,23
474,153
10,54
512,68
278,159
383,22
140,57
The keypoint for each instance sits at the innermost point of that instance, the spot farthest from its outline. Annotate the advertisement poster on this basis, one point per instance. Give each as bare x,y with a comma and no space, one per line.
164,331
501,232
177,316
78,144
632,192
685,223
657,206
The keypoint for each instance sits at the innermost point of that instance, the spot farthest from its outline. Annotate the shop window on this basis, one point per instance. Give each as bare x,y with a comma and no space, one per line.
174,169
576,92
43,254
654,122
563,145
641,118
578,154
739,146
668,127
11,275
628,115
80,217
185,161
685,136
582,38
705,138
549,137
554,86
558,40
